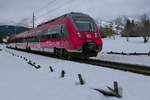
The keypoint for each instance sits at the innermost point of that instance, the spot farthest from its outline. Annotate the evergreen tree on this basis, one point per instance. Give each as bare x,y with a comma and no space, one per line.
133,24
127,29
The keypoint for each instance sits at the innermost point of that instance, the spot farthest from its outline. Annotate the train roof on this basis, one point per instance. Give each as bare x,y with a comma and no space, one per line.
70,15
31,32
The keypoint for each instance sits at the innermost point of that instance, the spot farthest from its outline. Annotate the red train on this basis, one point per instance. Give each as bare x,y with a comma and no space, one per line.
73,34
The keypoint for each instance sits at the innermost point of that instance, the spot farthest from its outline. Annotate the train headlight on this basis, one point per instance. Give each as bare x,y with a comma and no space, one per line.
79,34
96,35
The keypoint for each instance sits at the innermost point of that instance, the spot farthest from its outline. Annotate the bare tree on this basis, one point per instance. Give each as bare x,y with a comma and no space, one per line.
144,28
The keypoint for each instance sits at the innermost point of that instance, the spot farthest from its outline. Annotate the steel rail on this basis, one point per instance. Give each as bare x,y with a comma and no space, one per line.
135,68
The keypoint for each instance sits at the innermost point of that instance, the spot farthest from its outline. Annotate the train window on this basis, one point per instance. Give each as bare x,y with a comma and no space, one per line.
55,32
49,31
84,25
32,39
48,36
56,35
43,35
36,39
24,40
44,31
53,35
20,40
56,29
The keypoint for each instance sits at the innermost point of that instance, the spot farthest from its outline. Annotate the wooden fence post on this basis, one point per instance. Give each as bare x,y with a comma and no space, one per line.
63,73
51,69
81,79
116,87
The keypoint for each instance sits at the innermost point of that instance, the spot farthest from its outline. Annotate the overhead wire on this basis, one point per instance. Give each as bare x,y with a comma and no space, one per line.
45,6
60,6
38,10
54,9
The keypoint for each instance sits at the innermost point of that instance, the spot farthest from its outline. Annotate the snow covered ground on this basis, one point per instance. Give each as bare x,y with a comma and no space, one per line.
21,81
121,45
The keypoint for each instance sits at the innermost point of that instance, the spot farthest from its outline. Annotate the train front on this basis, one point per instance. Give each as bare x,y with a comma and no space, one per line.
88,38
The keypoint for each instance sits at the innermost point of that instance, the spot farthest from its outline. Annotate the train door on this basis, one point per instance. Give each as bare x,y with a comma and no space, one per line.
64,35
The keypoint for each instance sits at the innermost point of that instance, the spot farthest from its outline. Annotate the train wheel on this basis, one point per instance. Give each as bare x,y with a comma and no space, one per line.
66,55
86,58
58,52
28,49
55,51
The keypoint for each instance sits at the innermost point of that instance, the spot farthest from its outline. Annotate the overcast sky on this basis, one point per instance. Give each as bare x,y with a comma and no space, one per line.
15,11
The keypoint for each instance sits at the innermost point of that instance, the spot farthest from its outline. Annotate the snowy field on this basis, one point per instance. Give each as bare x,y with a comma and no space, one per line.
21,81
121,45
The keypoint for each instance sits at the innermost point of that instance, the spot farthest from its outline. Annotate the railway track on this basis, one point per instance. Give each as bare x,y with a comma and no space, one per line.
135,68
139,69
123,53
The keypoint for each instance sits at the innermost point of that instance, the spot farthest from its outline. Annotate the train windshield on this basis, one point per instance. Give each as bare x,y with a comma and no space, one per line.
85,25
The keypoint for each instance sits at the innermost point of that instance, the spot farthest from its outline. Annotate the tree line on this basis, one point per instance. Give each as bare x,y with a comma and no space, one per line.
107,31
141,28
2,36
